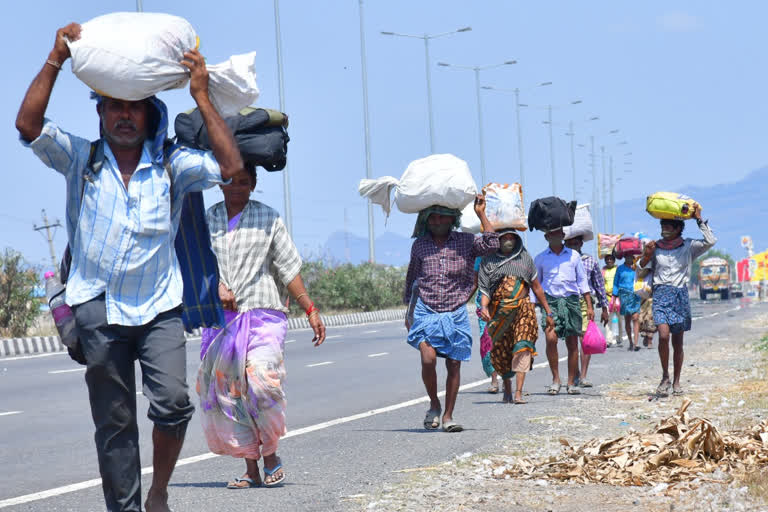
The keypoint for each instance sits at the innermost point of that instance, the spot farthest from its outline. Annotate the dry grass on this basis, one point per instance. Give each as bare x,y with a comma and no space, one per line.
757,483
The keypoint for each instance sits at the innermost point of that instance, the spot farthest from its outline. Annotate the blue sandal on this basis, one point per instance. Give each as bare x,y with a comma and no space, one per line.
270,472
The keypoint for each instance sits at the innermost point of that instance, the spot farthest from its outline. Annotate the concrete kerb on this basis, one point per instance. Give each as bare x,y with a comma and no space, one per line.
47,344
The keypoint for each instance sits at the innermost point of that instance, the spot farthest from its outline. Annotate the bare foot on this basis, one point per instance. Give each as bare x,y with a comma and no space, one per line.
157,501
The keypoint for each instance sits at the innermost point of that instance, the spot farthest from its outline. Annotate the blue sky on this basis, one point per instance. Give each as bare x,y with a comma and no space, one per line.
683,81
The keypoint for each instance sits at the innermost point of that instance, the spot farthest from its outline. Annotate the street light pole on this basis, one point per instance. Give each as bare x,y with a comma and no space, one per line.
429,97
573,157
480,128
139,6
551,149
613,204
281,90
594,187
605,199
519,138
368,172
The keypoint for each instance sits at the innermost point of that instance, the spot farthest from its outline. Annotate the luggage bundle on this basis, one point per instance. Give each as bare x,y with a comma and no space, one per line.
606,243
550,213
504,206
260,134
470,222
628,246
132,56
442,180
670,206
582,224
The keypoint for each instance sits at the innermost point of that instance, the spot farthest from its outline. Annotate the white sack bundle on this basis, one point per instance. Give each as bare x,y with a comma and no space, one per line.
134,55
442,180
582,224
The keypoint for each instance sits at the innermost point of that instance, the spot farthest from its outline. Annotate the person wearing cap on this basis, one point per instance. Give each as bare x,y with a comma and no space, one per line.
442,260
124,284
597,290
505,280
564,281
670,258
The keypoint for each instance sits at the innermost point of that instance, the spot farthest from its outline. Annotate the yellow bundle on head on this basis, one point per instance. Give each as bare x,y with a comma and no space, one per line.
670,206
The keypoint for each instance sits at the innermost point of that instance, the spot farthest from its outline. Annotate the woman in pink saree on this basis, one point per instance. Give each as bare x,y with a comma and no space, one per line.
242,403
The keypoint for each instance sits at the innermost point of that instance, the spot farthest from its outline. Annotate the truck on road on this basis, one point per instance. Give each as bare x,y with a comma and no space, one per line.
715,278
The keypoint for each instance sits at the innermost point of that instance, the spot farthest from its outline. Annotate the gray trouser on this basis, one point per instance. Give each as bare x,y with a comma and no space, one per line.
110,351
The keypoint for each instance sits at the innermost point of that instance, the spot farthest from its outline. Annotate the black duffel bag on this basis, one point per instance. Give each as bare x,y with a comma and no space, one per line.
260,134
550,213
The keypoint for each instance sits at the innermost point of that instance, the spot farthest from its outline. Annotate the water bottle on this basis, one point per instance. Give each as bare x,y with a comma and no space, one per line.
615,326
62,314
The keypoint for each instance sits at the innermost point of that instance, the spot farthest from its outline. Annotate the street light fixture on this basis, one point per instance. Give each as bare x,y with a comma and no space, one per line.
477,70
426,38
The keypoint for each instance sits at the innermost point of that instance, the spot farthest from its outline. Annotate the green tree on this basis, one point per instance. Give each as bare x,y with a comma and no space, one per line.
18,306
712,253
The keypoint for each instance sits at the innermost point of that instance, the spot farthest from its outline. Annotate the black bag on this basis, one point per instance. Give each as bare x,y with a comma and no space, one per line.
550,213
260,134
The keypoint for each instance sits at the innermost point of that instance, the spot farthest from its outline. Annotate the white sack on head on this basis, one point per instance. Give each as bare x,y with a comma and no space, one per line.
504,206
470,222
582,224
443,180
132,56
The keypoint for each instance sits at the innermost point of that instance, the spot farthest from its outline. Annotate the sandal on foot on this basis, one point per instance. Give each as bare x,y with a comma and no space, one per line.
452,427
573,390
585,384
678,391
432,420
493,389
269,472
663,389
554,389
521,401
243,483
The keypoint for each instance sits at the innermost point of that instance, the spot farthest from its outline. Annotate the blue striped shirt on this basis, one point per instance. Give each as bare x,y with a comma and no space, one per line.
122,240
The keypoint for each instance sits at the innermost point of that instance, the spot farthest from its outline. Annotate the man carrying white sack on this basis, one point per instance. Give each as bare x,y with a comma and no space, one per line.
124,284
442,259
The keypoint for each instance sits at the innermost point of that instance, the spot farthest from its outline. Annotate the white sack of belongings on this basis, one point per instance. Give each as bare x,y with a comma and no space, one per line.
582,224
442,180
504,206
134,55
470,222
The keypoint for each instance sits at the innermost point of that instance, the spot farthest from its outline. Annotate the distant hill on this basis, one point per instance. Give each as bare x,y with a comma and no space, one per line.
733,209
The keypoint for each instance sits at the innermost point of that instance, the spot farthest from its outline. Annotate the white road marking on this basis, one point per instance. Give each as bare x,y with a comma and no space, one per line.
9,413
58,491
379,354
332,337
319,364
290,341
370,332
19,358
68,371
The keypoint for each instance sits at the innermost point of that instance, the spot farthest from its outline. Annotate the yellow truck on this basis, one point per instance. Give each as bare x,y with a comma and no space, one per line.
715,278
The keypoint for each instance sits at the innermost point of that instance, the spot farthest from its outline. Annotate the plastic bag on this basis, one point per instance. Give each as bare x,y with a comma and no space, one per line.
442,180
615,304
593,342
628,246
670,205
643,284
582,224
134,55
550,213
504,206
607,242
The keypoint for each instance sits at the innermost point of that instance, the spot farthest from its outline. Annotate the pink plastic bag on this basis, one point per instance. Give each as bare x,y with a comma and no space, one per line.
615,305
594,342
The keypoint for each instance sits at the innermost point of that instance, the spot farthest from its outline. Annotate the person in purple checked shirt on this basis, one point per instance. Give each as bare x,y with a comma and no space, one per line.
442,260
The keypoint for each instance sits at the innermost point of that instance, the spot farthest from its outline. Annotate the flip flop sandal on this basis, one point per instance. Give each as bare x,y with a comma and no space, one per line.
452,427
432,420
678,392
573,390
270,472
663,389
237,483
493,389
520,402
637,349
554,389
585,384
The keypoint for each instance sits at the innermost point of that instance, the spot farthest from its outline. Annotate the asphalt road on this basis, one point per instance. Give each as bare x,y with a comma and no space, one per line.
352,420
